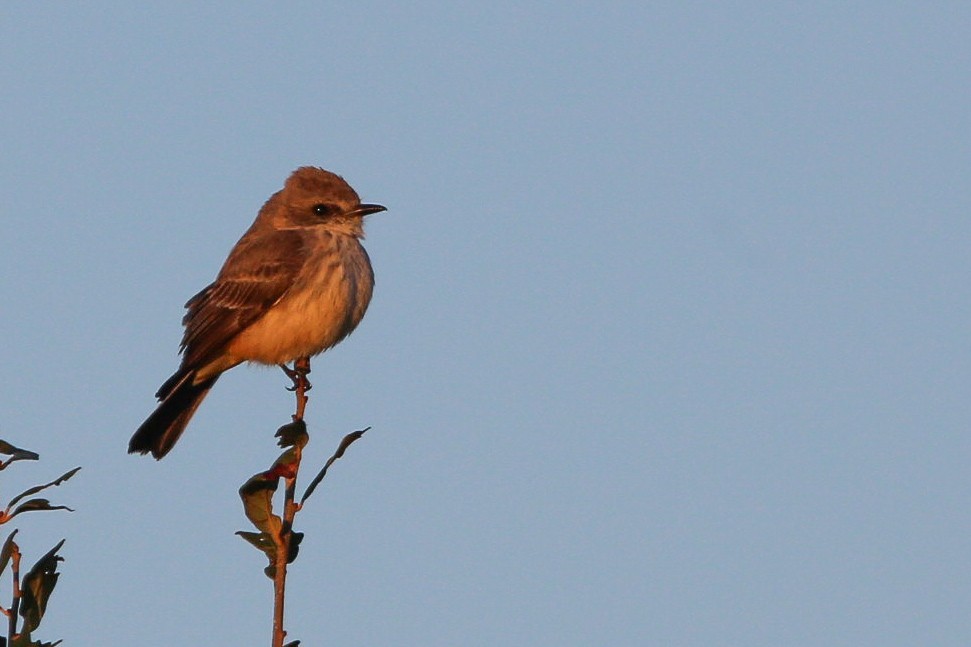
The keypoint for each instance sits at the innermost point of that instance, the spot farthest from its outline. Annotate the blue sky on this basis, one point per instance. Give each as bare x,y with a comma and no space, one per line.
668,344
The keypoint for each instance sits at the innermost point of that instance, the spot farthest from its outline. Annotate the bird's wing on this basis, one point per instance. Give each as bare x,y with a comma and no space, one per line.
258,272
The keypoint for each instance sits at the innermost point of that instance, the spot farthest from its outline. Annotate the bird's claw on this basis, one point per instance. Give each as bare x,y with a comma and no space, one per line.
297,375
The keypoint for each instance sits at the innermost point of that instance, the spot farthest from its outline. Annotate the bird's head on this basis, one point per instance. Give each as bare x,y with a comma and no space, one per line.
313,197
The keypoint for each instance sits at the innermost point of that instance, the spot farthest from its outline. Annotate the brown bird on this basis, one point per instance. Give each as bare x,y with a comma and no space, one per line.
296,284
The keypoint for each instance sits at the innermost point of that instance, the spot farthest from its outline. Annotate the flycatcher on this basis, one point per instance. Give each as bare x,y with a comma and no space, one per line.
296,284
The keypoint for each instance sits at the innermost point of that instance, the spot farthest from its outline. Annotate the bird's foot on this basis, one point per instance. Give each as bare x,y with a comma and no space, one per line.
298,375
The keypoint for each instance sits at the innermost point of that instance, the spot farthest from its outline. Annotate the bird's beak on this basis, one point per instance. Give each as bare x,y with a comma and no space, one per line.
367,210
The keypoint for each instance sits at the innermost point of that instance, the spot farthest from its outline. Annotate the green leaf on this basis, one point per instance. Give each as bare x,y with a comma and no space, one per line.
261,540
295,539
345,443
15,454
293,434
11,450
286,465
264,542
7,551
37,586
23,639
38,488
34,505
257,496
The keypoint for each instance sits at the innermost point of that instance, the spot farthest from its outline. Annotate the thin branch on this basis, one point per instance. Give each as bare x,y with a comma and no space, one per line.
15,605
301,367
345,443
283,554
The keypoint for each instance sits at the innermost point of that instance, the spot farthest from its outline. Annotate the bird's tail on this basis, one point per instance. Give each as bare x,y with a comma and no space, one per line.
180,398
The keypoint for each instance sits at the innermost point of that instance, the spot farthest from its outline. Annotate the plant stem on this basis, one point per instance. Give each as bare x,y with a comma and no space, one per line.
301,367
279,584
15,605
282,556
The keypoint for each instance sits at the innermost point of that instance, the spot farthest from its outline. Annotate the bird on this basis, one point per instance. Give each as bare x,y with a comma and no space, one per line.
295,284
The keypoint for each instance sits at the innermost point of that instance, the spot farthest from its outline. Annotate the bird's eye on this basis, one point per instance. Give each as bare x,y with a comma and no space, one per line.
321,209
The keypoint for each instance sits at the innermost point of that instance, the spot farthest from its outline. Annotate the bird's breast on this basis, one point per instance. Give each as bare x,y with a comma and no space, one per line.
324,305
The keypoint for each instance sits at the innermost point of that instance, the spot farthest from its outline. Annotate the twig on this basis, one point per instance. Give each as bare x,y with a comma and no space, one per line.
301,368
283,555
15,605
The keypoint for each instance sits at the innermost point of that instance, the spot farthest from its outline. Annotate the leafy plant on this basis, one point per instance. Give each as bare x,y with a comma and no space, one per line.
275,536
31,592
